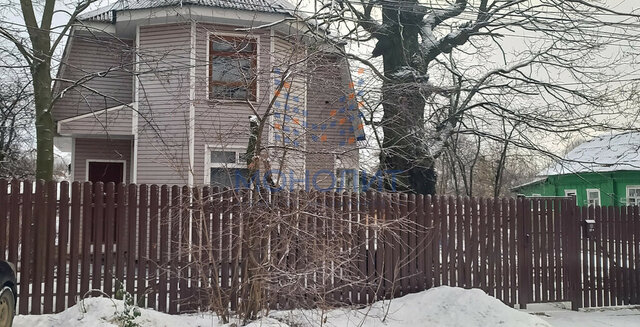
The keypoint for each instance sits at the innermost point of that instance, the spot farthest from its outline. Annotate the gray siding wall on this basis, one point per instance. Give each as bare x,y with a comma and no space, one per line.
331,137
163,125
287,138
89,54
112,122
224,123
100,149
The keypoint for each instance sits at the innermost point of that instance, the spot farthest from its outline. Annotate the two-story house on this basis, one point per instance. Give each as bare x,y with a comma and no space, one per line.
162,92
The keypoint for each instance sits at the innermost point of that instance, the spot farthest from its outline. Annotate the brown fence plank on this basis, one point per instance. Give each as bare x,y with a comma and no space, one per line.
154,253
87,227
131,253
416,261
482,250
544,272
75,239
63,238
142,235
197,227
109,237
468,243
40,222
4,215
536,254
625,254
26,255
524,276
423,250
598,255
474,226
513,251
97,232
592,262
558,274
216,204
603,241
636,253
51,248
164,242
121,233
491,255
611,254
497,248
585,263
451,261
404,255
174,239
433,239
14,221
225,234
235,242
459,256
444,239
619,256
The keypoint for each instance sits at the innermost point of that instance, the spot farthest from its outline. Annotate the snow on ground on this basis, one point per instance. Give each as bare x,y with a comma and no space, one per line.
440,306
559,315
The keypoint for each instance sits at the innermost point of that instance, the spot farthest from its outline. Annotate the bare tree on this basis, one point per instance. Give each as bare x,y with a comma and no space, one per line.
545,64
38,51
16,120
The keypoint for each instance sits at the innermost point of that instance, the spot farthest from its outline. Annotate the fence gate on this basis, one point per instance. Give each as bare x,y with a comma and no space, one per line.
548,251
610,255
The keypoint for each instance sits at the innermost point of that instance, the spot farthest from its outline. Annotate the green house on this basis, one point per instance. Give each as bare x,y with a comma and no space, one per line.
604,171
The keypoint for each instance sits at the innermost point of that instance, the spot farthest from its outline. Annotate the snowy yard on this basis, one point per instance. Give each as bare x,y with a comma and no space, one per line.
441,306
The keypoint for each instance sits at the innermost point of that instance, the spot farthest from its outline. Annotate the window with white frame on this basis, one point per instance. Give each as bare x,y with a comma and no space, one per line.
593,197
633,195
226,167
232,67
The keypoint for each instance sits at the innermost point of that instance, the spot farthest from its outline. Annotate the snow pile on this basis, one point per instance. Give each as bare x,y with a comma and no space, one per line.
441,306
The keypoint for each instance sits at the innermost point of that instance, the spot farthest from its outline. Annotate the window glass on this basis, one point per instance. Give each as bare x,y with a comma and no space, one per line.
232,68
593,197
223,157
223,177
633,196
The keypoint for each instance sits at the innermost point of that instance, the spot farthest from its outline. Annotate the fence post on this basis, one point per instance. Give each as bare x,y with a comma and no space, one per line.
572,265
524,269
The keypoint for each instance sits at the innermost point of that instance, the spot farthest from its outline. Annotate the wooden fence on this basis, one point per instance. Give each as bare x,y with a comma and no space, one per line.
69,239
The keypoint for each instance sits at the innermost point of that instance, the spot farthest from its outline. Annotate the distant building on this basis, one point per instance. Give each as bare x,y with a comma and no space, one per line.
604,171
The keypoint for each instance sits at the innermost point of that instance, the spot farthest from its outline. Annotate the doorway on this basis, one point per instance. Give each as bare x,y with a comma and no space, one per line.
105,171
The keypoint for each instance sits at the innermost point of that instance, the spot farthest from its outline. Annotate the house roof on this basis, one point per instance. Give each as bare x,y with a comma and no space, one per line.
606,153
534,181
105,13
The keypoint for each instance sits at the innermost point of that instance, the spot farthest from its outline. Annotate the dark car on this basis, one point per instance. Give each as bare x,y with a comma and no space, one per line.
8,294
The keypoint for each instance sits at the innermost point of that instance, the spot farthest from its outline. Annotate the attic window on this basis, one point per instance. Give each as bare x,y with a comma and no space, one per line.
232,68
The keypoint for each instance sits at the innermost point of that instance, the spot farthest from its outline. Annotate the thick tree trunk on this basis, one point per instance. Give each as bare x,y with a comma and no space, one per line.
45,126
403,119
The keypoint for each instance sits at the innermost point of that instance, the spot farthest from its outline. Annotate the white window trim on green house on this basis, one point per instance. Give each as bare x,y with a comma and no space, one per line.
571,191
633,200
593,201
